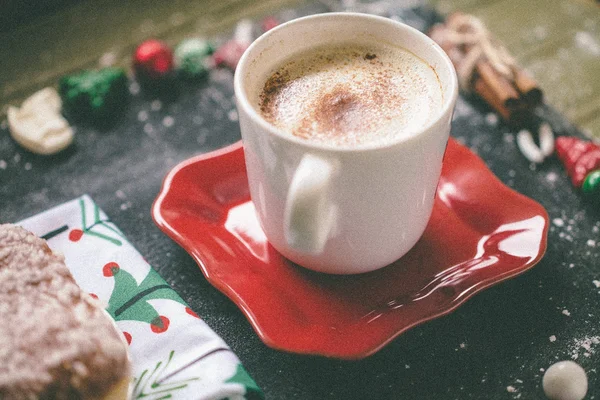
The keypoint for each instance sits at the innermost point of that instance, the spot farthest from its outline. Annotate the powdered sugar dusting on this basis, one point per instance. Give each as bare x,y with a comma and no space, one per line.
584,347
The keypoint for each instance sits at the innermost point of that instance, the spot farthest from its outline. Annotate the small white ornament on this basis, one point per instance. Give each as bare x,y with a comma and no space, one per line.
565,380
38,125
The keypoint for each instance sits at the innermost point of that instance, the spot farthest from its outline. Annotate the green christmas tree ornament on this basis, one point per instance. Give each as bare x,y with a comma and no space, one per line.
192,58
94,95
591,186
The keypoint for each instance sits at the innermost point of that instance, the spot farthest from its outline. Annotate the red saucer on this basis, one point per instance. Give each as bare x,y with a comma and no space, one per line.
480,233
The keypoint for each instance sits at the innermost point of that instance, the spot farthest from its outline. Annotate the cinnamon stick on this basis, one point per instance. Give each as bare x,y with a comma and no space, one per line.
491,98
498,84
512,97
528,87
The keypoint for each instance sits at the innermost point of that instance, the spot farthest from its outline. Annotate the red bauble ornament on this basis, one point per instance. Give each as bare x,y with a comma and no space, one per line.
580,157
269,23
229,53
152,60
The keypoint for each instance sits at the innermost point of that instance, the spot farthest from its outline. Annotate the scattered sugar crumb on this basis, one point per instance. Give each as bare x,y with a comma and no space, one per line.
406,366
511,389
585,345
232,115
512,173
3,164
148,128
491,118
552,177
17,157
509,138
168,121
552,338
596,283
542,369
134,88
566,312
125,206
518,381
142,116
595,229
120,194
591,243
463,345
571,265
156,105
108,59
27,166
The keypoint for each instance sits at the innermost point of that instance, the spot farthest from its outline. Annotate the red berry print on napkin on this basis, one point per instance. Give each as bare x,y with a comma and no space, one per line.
191,312
110,269
75,235
160,324
127,336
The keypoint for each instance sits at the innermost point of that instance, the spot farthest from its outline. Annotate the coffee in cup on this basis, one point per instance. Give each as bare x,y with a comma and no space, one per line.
349,94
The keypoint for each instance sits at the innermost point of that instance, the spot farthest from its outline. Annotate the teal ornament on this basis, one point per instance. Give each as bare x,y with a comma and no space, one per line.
192,58
94,95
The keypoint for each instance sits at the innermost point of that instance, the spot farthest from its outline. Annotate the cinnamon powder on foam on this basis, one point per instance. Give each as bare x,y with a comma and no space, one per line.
352,94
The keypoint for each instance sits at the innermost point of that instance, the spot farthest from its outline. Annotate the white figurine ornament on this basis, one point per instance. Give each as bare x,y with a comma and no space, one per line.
38,125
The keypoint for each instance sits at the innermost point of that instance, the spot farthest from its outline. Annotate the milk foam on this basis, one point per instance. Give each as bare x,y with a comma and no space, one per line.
351,94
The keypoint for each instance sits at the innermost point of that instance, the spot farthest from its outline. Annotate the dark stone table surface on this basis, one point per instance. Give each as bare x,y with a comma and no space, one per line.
496,346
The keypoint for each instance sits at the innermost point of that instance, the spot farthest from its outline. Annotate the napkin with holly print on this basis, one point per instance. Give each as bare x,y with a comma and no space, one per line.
175,354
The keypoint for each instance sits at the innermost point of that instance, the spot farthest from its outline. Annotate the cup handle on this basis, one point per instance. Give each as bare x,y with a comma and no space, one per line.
309,214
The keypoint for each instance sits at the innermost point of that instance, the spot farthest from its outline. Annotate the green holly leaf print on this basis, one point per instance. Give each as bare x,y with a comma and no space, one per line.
253,392
129,301
150,384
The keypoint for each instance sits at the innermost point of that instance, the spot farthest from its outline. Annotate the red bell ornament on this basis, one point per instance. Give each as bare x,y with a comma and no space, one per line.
580,157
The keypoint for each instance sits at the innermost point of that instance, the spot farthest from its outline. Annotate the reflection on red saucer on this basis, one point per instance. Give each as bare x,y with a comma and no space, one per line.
480,233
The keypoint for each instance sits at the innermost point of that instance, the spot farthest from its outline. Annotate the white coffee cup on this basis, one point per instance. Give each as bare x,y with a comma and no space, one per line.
337,209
